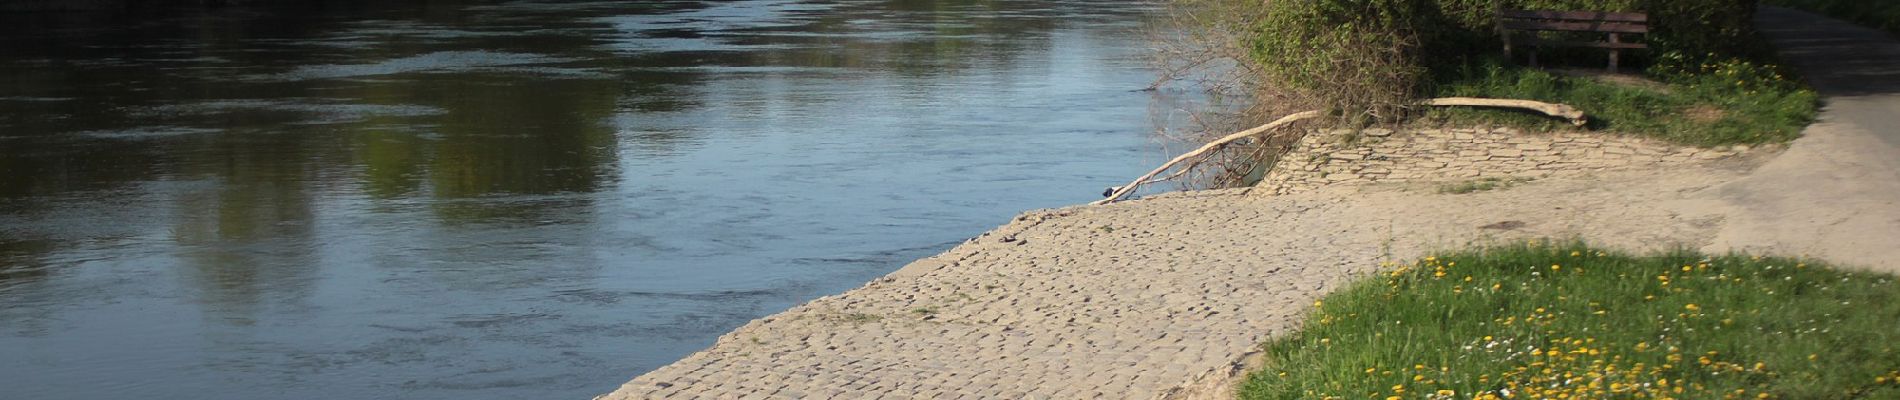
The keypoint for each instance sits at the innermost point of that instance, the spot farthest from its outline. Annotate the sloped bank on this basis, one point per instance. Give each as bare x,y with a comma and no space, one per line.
1382,155
1161,297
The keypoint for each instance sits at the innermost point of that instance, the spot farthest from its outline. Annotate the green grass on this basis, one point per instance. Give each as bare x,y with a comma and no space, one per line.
1882,14
1737,103
1480,185
1538,320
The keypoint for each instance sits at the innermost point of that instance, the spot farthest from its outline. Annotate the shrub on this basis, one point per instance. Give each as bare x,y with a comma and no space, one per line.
1368,57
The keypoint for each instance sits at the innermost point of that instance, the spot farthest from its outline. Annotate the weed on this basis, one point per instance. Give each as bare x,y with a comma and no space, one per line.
1568,321
1480,185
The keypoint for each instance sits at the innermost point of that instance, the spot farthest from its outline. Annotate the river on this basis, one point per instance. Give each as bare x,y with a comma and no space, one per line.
512,200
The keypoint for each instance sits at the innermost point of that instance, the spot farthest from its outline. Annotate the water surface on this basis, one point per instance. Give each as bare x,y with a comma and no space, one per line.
509,200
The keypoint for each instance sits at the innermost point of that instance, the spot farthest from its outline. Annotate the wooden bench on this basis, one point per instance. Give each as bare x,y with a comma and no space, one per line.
1515,23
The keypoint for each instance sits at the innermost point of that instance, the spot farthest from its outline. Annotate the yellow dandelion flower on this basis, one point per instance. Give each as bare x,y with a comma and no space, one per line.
1692,307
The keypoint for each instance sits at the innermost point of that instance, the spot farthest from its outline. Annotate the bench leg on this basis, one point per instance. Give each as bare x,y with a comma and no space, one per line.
1614,53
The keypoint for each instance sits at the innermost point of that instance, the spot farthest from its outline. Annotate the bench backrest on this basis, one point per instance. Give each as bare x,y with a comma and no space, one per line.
1573,21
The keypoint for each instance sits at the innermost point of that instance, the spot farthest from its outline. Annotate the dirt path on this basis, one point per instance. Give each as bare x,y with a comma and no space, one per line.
1835,193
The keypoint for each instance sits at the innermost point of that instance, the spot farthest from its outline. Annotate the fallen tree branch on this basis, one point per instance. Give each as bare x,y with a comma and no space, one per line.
1555,110
1210,146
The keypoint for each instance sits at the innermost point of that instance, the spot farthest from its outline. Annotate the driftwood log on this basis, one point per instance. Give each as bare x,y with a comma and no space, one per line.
1554,110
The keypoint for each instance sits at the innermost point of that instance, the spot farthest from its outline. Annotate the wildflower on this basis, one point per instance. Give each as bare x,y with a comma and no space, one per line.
1447,392
1555,267
1692,307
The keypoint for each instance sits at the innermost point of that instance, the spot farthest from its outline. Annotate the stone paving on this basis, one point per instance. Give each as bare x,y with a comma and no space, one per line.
1333,157
1144,299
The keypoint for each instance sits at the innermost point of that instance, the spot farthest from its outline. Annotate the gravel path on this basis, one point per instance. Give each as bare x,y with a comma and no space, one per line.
1149,298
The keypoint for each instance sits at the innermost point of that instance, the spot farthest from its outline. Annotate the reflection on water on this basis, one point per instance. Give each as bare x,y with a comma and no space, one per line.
510,199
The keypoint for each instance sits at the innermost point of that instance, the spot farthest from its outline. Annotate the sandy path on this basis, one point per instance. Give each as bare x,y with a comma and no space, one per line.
1137,299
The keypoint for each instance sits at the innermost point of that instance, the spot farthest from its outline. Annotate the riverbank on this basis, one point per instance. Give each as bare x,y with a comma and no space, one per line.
1152,298
1168,297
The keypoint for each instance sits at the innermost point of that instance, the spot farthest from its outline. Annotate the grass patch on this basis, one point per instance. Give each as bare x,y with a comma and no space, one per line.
1480,185
1881,14
1557,321
1735,103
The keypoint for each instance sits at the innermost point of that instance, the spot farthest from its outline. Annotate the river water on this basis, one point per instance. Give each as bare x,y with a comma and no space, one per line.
511,200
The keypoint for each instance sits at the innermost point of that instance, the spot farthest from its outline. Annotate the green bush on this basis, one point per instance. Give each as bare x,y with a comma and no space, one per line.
1370,56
